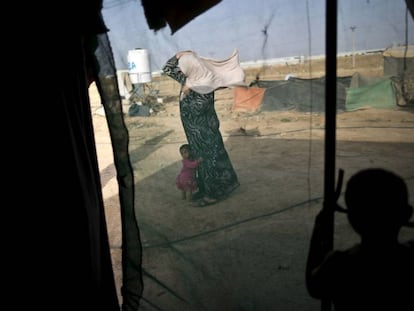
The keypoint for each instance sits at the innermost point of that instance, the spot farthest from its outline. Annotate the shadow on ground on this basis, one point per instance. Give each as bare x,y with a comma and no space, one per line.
249,251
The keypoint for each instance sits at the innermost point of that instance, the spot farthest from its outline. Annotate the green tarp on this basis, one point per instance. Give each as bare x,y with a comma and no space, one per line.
380,94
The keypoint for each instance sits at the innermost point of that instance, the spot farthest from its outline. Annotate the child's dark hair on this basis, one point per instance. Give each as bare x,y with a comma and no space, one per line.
185,146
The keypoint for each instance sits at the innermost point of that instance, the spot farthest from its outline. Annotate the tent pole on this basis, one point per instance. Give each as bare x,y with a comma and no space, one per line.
330,124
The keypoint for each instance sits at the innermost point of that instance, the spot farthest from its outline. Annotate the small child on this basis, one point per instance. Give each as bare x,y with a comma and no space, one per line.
186,181
377,272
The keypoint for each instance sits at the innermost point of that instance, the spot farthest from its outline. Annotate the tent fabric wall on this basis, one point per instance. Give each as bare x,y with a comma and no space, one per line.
353,92
107,84
399,62
300,94
380,94
359,80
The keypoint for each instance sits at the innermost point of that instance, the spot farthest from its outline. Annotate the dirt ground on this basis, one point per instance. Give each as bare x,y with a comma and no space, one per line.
249,251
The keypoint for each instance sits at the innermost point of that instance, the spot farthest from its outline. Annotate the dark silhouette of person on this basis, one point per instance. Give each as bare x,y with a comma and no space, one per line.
378,272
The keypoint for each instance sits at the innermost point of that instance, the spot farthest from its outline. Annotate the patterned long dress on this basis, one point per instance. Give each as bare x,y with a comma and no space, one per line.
216,177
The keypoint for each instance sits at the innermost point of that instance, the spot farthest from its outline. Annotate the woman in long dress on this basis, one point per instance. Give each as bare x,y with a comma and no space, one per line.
216,177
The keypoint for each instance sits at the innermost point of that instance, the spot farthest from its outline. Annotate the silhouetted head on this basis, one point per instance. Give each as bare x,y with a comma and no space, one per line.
377,202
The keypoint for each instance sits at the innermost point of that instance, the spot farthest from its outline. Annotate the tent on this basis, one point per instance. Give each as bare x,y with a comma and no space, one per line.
382,92
399,62
307,95
60,247
300,94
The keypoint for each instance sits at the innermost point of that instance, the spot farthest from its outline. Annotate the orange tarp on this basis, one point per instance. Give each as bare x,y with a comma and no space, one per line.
247,99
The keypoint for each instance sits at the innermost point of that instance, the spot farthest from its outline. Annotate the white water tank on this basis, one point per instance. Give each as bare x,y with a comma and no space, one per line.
139,66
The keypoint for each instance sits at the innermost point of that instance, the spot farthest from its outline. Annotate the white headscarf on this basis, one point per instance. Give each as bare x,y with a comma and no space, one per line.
205,75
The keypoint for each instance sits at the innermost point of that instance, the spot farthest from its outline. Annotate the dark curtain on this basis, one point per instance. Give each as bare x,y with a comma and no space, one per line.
59,248
106,82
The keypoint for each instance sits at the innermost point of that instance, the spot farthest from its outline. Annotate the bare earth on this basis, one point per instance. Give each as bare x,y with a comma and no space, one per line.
249,251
